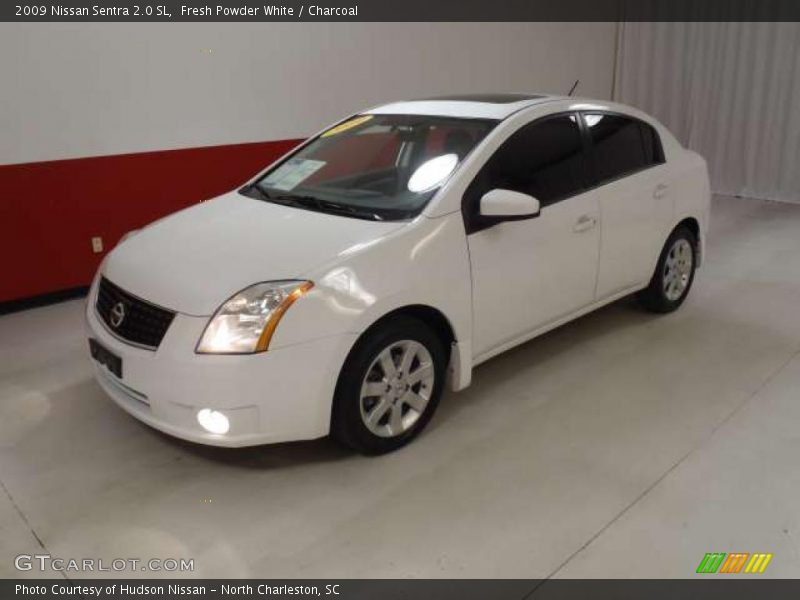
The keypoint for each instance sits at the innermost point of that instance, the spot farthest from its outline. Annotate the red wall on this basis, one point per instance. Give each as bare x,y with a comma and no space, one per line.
49,211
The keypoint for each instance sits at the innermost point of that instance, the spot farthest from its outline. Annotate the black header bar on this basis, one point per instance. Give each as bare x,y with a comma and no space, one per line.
400,10
735,588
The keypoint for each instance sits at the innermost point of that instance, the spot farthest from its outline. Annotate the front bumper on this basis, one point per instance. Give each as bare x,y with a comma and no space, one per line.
280,395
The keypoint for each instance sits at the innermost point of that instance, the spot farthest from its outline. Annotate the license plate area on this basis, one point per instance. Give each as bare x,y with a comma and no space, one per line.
105,357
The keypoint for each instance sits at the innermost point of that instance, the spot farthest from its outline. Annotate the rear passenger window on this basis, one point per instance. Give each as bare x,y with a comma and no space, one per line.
621,146
653,152
544,159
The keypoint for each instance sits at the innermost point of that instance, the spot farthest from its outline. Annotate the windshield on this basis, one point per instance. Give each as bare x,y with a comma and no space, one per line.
381,167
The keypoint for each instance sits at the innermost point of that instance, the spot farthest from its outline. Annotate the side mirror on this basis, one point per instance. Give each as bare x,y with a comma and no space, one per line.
505,205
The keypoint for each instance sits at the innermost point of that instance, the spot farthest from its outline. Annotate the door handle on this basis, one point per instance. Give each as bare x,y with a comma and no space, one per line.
584,223
660,191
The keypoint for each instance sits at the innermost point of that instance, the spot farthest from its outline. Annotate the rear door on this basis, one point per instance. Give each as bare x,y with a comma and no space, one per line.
628,170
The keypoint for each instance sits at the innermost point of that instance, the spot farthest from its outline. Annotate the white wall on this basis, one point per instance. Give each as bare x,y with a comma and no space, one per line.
87,89
729,90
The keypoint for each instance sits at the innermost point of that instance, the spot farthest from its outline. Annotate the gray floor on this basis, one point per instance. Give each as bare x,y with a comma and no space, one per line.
621,445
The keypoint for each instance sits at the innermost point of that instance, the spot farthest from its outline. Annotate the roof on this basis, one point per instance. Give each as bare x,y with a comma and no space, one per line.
475,106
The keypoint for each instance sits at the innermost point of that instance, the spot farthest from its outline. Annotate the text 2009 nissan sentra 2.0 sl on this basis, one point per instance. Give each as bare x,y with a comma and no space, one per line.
342,288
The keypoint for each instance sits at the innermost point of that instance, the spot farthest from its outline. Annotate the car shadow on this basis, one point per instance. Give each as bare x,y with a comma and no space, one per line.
265,457
487,377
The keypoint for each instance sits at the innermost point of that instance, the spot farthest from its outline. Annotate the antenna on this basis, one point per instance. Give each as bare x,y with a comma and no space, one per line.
574,85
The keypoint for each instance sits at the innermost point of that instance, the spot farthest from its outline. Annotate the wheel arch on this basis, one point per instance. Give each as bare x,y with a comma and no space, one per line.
432,317
459,359
693,225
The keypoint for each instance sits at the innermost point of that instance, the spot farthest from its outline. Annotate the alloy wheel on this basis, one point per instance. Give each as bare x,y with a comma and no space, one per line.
677,269
397,388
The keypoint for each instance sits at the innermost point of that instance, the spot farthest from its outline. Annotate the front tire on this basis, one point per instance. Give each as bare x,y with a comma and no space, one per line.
674,273
389,387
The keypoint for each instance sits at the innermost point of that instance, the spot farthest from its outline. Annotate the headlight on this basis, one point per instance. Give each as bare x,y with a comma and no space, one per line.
246,322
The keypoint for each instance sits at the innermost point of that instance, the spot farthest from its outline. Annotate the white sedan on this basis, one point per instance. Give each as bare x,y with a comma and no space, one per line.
341,289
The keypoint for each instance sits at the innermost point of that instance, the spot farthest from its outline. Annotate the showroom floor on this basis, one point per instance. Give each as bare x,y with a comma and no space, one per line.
621,445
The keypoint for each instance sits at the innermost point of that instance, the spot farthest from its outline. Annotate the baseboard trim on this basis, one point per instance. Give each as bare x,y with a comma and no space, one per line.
12,306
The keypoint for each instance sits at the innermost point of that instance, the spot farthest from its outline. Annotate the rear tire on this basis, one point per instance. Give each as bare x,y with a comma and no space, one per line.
389,386
674,273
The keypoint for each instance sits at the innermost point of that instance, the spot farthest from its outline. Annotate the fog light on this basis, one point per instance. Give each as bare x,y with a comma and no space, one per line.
213,421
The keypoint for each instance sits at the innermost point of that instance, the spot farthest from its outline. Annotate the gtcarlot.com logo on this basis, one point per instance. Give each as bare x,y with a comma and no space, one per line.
46,562
735,562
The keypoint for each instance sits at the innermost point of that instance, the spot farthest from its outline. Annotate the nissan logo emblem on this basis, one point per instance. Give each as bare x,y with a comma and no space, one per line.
117,315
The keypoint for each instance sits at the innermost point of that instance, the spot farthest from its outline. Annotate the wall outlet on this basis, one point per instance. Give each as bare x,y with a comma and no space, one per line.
97,245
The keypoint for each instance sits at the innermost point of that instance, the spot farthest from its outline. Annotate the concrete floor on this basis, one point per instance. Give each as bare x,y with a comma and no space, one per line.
621,445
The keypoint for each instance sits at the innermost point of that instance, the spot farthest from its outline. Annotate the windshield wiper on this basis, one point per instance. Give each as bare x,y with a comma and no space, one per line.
254,187
285,200
319,204
313,203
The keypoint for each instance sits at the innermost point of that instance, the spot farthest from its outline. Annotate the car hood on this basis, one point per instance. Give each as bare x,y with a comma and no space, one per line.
194,260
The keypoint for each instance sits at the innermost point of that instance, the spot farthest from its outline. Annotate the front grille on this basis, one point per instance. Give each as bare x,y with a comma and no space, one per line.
131,318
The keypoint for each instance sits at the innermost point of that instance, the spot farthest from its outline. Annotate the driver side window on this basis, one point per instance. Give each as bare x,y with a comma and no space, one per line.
544,159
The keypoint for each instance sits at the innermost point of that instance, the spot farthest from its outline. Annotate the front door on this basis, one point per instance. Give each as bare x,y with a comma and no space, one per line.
526,274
